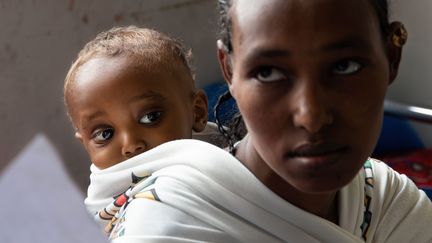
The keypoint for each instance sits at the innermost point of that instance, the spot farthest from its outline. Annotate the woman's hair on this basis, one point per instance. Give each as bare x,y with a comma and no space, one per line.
237,130
145,46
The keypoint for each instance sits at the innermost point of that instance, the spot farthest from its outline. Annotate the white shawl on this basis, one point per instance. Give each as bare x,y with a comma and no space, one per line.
196,192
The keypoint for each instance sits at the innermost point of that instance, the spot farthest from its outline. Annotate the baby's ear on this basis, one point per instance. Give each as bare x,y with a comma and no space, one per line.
200,109
78,136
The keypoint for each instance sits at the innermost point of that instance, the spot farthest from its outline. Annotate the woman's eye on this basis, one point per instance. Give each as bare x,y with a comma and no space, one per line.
346,67
103,135
151,117
270,74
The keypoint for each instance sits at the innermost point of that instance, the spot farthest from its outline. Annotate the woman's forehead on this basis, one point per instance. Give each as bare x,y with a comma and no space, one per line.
284,12
302,23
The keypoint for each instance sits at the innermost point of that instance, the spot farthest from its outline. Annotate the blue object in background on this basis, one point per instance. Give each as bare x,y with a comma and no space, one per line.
397,135
227,110
428,192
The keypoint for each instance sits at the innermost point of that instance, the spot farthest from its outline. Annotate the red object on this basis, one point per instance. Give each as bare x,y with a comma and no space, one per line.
120,200
416,165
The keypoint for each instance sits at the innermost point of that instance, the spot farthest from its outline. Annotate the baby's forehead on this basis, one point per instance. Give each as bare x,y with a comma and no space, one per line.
165,64
126,69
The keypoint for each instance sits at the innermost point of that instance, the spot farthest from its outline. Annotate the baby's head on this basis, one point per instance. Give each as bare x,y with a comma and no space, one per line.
130,90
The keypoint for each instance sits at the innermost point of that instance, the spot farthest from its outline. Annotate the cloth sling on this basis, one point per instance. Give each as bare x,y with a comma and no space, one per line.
191,191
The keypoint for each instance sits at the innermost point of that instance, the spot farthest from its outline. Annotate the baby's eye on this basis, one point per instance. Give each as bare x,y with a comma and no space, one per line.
150,118
103,135
270,74
346,67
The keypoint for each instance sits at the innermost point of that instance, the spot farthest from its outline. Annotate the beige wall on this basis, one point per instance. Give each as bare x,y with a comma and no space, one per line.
40,38
414,83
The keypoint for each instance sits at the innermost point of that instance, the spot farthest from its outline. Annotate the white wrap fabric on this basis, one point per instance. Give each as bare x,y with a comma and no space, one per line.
204,194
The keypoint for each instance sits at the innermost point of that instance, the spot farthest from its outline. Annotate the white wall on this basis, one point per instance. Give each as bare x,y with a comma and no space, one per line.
414,83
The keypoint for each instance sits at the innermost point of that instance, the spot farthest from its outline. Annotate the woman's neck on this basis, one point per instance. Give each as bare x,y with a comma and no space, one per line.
324,205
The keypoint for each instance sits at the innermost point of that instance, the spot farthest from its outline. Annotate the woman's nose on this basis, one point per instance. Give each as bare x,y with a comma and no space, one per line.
132,146
312,109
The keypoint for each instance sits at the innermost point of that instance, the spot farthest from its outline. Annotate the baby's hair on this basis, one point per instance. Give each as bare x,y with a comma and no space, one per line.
233,133
145,46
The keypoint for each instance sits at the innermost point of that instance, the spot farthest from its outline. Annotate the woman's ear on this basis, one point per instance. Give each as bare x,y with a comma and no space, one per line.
398,37
224,61
200,109
78,136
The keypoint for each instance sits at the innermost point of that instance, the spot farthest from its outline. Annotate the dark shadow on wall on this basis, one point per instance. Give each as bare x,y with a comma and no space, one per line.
76,160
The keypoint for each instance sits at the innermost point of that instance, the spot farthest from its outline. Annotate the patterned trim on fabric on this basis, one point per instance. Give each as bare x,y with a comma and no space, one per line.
144,189
368,190
149,194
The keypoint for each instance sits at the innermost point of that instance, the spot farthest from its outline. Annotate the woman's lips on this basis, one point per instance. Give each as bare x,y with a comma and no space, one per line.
317,155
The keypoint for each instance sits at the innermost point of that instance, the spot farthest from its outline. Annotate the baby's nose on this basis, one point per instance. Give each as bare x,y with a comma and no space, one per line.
132,152
133,147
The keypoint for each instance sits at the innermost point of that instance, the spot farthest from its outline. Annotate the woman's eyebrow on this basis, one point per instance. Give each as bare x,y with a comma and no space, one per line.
350,43
267,53
353,43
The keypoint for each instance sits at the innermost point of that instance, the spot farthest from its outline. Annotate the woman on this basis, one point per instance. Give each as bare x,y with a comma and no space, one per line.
309,78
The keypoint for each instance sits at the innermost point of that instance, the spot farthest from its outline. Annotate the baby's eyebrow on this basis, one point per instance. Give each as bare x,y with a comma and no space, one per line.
89,117
147,95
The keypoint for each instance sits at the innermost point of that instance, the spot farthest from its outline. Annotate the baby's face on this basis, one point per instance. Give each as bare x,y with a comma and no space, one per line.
121,110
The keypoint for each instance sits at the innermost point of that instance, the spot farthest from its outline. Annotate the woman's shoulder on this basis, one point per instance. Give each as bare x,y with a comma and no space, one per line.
388,184
400,210
385,176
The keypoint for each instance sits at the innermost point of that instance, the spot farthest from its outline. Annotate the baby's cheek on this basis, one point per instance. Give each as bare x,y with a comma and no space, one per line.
104,158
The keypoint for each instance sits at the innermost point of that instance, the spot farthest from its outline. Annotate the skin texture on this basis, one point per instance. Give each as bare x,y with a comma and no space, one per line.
309,78
121,109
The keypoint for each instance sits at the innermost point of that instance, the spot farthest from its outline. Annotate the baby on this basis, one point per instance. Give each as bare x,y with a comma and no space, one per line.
130,90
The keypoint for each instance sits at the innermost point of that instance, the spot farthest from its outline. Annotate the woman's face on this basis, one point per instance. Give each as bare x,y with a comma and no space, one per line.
309,78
